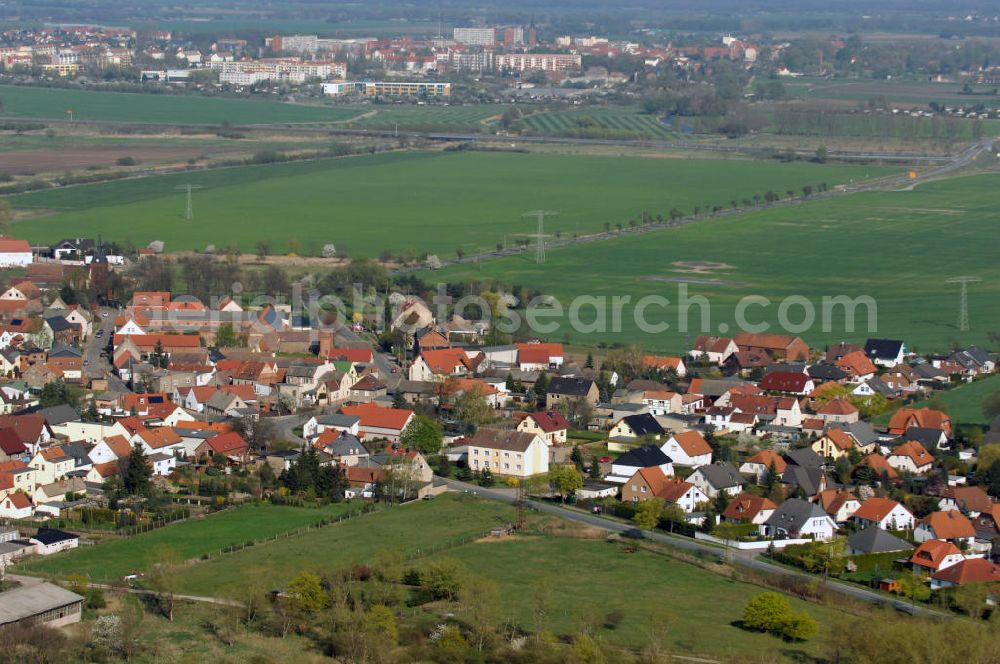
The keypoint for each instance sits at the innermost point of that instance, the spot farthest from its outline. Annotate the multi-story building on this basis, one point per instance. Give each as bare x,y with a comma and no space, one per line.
249,72
388,89
537,61
475,36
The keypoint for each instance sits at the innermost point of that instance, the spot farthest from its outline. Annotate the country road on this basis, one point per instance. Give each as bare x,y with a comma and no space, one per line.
693,546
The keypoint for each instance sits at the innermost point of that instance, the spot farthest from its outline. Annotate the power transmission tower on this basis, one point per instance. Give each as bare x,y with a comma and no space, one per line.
189,209
963,310
540,235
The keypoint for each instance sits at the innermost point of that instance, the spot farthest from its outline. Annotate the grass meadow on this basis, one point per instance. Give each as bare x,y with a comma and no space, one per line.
896,247
437,202
189,539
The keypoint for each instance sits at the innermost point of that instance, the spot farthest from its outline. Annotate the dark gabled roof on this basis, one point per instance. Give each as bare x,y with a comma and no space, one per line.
59,324
576,387
875,540
721,475
809,479
62,350
55,415
345,445
804,456
644,424
790,367
883,349
862,432
646,456
826,372
338,420
792,514
929,438
52,536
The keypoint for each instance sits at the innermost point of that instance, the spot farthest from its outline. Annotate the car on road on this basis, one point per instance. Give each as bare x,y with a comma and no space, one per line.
86,362
104,314
605,459
100,333
395,370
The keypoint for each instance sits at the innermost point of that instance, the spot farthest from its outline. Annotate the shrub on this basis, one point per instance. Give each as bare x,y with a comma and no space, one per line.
770,612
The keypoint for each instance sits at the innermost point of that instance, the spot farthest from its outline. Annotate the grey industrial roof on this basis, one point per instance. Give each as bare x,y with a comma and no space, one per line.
33,599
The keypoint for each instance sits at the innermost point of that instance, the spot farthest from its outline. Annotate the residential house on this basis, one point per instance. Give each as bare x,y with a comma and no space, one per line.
539,356
760,465
884,513
345,448
378,422
438,364
363,481
688,448
968,571
749,508
935,555
317,424
885,352
16,505
971,500
951,525
714,350
508,453
834,444
911,457
651,482
110,449
906,418
633,427
799,519
716,478
841,504
51,464
662,402
875,540
838,411
550,425
787,382
665,364
858,366
158,439
629,463
230,445
565,389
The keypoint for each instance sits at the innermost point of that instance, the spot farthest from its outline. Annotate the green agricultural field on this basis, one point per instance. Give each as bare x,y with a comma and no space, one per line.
53,103
694,611
189,539
598,122
408,529
473,118
895,247
901,91
965,402
437,202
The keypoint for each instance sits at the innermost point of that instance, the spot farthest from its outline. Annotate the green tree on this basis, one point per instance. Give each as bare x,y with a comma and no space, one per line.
472,409
595,467
770,612
541,387
164,578
648,512
423,434
135,473
305,594
576,456
566,480
226,336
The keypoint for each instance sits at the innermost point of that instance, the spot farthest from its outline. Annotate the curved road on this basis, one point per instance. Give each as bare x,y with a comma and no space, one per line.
693,546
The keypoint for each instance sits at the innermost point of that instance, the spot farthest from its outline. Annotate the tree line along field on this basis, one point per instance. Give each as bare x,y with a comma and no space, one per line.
190,539
437,202
692,609
88,105
899,248
901,91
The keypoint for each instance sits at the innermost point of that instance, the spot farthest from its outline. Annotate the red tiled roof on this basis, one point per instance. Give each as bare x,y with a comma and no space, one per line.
227,443
838,406
351,354
949,525
9,245
875,509
538,353
372,415
915,451
970,570
550,421
19,500
932,553
693,443
784,381
767,458
746,506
